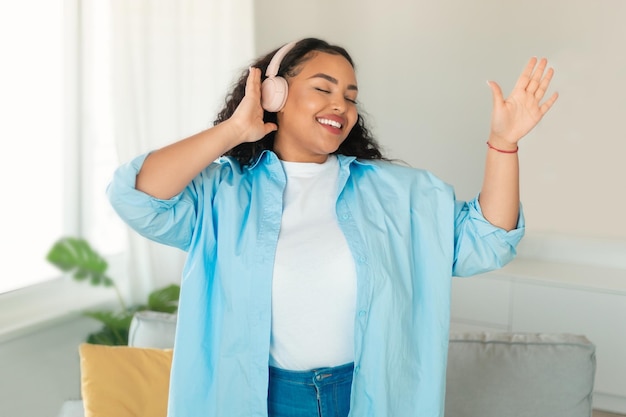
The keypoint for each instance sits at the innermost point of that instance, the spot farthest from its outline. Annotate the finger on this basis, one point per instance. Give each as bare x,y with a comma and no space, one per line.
253,82
548,104
544,84
522,81
496,93
535,78
270,127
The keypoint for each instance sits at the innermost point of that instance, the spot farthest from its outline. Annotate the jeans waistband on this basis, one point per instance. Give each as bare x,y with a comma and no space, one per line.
317,377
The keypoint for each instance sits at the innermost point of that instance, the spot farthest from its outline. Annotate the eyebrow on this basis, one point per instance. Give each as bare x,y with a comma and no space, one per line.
333,80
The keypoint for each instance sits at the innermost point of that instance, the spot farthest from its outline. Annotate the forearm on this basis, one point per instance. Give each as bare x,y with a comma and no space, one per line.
167,171
511,120
499,198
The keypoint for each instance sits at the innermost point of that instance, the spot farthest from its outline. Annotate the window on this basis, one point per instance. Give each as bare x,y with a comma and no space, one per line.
58,151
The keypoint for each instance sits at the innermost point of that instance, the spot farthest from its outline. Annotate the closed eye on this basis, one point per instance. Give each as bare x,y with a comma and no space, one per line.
321,90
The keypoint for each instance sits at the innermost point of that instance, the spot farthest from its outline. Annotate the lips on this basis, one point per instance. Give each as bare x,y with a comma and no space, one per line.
332,122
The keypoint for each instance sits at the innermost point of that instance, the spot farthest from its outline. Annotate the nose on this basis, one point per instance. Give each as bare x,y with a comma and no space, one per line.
338,104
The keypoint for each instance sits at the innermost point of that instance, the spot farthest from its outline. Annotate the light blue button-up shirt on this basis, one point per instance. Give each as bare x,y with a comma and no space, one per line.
408,236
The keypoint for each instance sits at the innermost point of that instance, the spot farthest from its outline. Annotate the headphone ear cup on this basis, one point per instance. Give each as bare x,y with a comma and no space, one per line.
273,93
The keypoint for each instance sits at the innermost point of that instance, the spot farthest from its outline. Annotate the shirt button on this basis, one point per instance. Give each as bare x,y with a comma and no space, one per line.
357,369
345,216
362,313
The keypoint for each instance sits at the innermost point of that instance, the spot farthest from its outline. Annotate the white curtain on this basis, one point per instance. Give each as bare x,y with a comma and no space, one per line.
172,64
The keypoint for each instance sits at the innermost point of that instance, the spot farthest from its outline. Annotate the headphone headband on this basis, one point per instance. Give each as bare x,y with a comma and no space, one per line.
274,65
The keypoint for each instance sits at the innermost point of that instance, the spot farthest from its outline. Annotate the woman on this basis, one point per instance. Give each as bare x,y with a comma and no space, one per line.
318,275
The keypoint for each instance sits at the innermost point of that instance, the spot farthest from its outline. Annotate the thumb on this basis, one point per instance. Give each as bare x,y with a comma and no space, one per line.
496,92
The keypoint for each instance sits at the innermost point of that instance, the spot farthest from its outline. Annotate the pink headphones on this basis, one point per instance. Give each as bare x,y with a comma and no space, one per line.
274,89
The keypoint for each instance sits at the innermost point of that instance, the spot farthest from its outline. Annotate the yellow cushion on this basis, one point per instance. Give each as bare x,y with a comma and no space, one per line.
123,381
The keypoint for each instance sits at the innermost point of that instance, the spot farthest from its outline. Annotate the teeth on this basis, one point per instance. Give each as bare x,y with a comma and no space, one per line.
330,123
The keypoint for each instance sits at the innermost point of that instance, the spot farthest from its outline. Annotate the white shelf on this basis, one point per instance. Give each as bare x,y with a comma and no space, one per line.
584,277
37,307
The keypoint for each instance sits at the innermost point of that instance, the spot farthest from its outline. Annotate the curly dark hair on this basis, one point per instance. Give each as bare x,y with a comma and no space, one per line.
359,142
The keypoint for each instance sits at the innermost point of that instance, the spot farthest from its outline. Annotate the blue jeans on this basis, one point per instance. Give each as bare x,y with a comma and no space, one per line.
323,392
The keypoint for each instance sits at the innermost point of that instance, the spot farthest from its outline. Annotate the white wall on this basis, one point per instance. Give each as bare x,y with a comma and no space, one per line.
422,67
39,370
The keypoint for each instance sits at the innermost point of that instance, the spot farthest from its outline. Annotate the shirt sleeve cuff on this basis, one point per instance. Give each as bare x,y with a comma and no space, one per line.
484,228
122,191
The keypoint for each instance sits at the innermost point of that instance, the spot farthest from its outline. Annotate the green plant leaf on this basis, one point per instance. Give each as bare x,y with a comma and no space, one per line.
164,299
112,319
108,336
74,255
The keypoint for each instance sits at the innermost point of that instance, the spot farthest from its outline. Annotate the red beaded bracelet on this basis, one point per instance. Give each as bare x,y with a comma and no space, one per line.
501,150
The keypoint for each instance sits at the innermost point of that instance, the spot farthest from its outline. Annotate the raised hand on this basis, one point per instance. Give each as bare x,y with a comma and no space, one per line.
248,117
167,171
512,118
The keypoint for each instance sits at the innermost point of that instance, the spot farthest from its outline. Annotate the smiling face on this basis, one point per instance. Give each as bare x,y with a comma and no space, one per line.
320,110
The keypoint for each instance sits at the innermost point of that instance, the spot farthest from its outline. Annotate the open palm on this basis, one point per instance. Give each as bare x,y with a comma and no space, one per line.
512,118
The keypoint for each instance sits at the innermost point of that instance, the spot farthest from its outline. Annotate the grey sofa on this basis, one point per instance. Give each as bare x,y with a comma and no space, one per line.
519,375
489,374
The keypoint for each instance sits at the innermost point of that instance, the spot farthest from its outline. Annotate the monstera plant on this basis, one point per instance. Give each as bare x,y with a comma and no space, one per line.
75,256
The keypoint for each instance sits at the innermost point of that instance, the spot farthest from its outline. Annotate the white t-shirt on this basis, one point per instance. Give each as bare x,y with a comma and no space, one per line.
314,283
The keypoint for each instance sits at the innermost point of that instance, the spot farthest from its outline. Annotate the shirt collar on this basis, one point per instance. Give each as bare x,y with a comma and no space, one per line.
268,157
265,157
